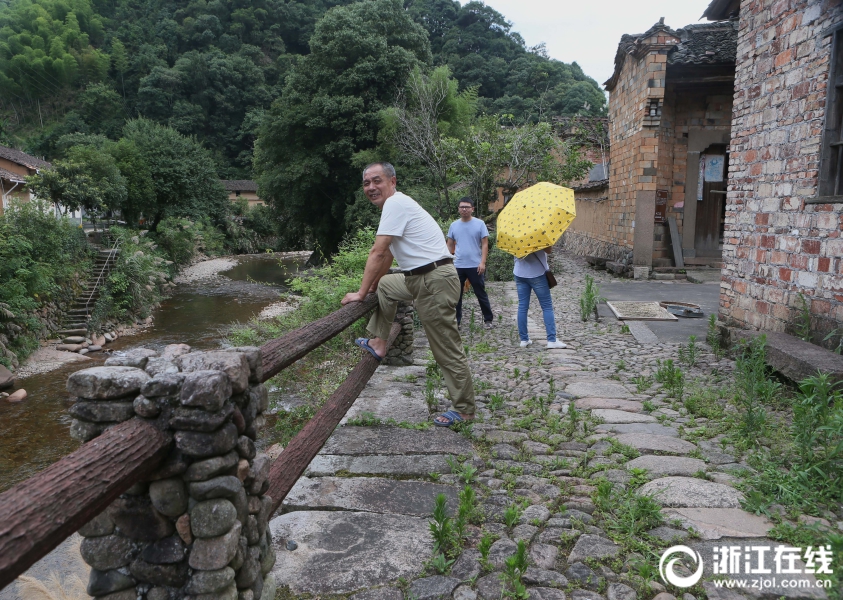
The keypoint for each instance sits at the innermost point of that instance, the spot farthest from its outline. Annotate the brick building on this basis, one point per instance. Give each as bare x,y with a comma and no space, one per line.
15,166
785,188
669,112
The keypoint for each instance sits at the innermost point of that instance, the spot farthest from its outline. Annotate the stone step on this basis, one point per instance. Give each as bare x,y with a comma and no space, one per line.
67,332
689,492
637,428
358,441
337,552
394,465
369,494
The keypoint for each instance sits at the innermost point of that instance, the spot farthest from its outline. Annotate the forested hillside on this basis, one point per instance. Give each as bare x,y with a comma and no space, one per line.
211,69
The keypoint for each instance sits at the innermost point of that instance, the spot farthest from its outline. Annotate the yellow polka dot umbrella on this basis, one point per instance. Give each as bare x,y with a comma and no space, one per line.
535,218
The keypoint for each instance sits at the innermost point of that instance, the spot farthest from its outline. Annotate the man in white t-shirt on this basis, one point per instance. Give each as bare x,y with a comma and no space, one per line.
410,235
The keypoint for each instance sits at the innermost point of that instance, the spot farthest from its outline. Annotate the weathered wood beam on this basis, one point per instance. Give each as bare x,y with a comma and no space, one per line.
288,467
281,353
38,514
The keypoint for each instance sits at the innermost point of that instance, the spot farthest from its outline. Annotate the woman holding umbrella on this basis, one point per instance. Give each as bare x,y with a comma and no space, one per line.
530,276
528,226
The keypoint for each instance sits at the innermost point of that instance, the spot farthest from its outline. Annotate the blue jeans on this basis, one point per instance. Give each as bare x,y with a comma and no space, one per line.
540,287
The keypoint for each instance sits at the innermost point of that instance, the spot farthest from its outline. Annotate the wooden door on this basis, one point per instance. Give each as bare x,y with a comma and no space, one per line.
711,217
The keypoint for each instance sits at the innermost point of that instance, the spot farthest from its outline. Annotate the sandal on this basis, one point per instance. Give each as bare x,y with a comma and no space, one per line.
452,416
364,344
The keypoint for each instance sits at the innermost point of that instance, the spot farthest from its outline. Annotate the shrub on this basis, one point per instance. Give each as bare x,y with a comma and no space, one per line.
38,254
181,239
498,263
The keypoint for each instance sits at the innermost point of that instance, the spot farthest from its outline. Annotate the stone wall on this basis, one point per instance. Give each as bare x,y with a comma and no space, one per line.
780,240
198,526
401,351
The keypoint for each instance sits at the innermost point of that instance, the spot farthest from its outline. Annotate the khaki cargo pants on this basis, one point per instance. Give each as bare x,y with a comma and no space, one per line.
435,295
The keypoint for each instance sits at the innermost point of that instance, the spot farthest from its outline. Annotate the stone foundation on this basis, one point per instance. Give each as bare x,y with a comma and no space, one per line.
198,526
583,244
401,351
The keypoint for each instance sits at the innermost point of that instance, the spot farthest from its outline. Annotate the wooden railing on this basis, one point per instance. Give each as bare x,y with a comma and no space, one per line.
41,512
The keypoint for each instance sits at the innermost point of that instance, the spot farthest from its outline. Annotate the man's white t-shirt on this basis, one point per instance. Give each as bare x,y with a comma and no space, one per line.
416,238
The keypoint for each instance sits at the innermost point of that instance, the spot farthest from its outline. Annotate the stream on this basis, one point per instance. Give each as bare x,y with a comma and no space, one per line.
35,433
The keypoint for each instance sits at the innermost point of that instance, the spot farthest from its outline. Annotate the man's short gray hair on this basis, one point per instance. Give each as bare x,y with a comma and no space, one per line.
388,169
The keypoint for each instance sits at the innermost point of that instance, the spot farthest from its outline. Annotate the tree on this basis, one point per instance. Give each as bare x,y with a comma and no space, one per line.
428,109
330,110
184,180
88,179
512,157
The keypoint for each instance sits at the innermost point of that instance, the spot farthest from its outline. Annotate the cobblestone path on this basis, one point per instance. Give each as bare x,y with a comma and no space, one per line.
358,522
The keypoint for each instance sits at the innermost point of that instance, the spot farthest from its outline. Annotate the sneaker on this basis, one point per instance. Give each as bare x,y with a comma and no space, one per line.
527,343
551,345
488,325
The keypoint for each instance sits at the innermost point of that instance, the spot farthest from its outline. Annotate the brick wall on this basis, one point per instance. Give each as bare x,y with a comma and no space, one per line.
777,244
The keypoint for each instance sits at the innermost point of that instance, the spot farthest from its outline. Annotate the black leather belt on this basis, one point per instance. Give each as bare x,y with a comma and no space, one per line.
429,267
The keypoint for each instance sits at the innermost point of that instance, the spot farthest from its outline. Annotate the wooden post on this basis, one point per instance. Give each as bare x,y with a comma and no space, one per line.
41,512
281,353
287,469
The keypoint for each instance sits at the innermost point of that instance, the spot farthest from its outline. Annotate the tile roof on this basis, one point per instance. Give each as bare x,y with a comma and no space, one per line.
4,174
239,185
703,44
22,158
706,44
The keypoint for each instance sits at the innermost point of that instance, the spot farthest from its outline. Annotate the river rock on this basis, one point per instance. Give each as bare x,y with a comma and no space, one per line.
659,466
174,464
250,572
490,587
7,379
98,526
500,551
144,407
688,492
70,347
196,419
107,552
259,394
205,389
73,339
100,412
167,551
83,351
212,518
85,431
544,593
254,360
201,470
544,555
174,575
169,496
621,591
17,396
210,554
207,582
437,587
136,357
467,566
651,443
106,383
163,384
107,582
94,348
592,546
234,364
543,577
583,575
160,366
173,351
246,447
138,519
201,445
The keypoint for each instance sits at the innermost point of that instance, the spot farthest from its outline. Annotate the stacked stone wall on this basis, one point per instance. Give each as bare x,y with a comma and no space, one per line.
198,526
401,351
780,240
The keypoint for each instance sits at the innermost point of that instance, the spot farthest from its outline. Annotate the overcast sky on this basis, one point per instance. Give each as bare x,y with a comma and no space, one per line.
588,31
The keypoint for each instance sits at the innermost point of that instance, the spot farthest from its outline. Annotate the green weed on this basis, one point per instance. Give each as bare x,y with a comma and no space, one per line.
589,299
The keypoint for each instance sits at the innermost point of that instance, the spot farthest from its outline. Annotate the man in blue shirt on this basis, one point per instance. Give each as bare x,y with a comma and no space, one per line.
468,241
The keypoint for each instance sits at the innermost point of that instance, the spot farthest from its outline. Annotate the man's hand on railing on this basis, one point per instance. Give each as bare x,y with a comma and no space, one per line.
352,297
